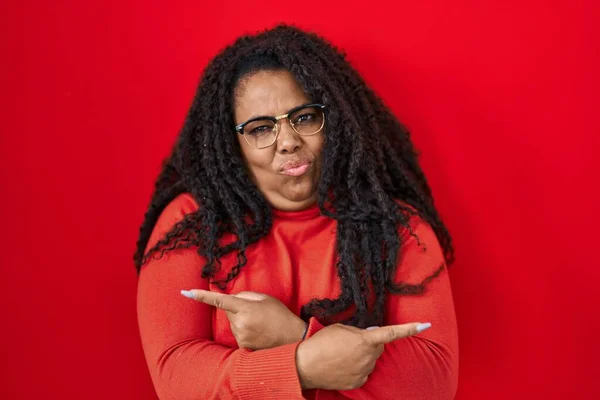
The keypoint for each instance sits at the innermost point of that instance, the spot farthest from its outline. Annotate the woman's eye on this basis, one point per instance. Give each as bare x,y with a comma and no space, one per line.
304,118
260,130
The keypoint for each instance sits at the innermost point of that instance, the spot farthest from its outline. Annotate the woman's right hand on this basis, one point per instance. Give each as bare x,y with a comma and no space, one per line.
341,357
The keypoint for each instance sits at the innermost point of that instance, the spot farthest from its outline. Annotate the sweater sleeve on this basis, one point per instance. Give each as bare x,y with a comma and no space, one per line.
424,366
176,333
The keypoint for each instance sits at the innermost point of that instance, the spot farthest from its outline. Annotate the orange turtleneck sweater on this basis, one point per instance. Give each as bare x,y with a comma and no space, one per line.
192,354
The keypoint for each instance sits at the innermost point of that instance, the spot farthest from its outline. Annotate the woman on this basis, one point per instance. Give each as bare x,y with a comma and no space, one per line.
294,211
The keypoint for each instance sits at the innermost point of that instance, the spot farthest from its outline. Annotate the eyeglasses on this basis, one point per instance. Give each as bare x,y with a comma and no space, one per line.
262,132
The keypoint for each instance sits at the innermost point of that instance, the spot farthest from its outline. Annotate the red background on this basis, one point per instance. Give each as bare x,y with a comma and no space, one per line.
502,98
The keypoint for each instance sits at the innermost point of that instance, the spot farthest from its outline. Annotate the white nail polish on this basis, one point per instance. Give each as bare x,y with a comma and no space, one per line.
187,294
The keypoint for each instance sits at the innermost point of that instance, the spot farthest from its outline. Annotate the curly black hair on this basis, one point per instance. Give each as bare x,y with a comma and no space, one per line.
371,181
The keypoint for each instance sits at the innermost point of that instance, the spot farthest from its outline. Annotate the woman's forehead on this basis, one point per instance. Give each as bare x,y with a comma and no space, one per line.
267,93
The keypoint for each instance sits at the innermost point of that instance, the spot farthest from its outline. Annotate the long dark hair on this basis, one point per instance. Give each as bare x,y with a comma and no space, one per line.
369,163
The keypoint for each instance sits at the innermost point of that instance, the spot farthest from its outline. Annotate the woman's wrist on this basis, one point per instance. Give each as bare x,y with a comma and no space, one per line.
304,331
295,331
298,331
303,360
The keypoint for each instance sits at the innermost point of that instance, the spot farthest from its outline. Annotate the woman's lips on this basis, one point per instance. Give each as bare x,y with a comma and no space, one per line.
295,168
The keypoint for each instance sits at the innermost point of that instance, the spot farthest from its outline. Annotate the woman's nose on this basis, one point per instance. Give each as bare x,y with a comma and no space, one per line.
288,141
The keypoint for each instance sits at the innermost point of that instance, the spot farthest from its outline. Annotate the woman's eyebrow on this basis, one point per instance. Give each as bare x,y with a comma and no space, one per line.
270,116
258,116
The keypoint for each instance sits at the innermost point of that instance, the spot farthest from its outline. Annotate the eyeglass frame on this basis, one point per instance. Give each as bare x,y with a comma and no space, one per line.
275,119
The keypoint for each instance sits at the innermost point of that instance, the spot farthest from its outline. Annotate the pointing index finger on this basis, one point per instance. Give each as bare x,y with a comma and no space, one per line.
222,301
388,334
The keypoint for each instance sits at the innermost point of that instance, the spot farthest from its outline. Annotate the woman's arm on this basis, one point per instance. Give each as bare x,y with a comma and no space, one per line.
423,366
176,334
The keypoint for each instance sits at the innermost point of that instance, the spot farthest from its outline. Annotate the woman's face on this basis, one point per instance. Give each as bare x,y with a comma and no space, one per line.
272,93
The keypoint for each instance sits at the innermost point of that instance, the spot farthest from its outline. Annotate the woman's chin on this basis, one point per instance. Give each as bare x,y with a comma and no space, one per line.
300,192
304,198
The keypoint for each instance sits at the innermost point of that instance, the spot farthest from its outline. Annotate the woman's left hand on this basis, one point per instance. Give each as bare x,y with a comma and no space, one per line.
258,321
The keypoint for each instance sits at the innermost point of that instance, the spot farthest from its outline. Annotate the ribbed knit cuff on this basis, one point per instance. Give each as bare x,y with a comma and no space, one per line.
268,374
314,326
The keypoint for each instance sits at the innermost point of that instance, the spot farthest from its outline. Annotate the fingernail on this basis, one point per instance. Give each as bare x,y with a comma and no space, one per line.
188,294
372,327
422,327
